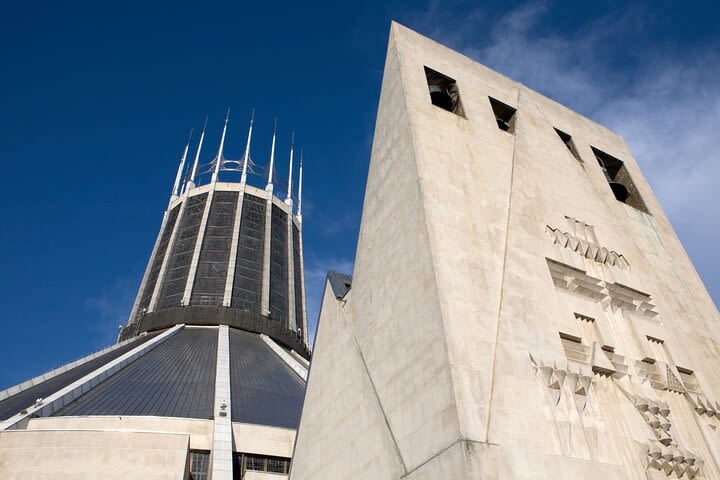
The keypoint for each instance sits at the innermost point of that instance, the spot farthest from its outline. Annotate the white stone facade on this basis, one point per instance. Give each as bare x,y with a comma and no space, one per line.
508,318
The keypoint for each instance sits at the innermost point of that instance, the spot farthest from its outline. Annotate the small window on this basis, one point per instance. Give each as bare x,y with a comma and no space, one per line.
567,140
619,179
504,115
444,92
199,464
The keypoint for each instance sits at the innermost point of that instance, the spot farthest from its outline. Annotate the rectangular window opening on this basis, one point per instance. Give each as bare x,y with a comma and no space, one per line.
568,141
504,115
199,464
444,92
619,180
572,338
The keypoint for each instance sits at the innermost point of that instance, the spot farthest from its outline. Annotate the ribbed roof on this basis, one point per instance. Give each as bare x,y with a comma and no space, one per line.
177,379
174,379
15,403
264,389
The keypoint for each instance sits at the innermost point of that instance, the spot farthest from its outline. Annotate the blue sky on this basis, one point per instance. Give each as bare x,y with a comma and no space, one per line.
97,100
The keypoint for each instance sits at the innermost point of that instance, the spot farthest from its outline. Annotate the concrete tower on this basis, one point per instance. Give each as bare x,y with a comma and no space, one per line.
520,308
208,376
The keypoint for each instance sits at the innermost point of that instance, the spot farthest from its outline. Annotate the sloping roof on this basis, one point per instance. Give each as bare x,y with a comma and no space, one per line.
15,403
174,379
264,389
177,379
340,283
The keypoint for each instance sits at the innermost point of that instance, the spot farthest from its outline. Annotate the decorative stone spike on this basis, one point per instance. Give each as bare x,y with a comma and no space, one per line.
546,371
556,379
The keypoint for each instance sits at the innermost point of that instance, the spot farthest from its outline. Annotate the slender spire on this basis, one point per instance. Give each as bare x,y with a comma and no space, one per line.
288,200
246,157
176,185
299,208
219,157
197,154
272,161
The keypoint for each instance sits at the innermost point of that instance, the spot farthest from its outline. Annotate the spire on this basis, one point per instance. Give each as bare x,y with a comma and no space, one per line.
272,160
219,157
288,200
197,154
299,210
246,157
176,185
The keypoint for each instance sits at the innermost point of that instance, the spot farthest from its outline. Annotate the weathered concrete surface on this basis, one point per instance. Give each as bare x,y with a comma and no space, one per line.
88,454
503,301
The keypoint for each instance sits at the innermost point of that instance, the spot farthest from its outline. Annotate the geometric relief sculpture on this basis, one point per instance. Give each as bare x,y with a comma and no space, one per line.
583,243
610,295
700,403
559,380
664,454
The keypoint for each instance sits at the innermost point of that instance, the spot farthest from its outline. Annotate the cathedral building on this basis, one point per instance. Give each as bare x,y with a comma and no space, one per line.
520,306
208,376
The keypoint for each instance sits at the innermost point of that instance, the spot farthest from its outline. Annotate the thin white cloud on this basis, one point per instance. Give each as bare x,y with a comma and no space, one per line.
111,307
665,103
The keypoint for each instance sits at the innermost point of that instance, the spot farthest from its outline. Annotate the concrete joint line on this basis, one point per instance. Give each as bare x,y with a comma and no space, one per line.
66,395
232,261
286,357
222,443
198,247
143,282
166,259
445,449
375,393
292,315
265,288
504,270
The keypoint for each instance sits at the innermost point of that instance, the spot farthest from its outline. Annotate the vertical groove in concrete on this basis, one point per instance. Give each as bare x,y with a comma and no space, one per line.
292,323
163,269
141,290
265,295
222,446
502,278
306,334
198,248
232,261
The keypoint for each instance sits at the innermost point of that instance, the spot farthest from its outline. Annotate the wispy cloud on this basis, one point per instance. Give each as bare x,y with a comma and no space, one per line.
663,100
111,307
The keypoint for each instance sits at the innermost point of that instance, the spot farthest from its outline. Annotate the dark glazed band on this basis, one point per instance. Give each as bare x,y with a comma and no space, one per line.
232,317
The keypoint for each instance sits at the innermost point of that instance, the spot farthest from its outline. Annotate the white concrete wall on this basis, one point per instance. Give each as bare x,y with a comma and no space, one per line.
456,315
200,431
87,454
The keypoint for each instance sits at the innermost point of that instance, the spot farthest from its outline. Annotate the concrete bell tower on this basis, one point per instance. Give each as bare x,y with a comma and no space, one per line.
520,308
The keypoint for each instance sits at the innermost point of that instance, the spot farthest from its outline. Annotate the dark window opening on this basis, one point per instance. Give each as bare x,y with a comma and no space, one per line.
567,140
444,92
244,462
504,115
619,179
199,464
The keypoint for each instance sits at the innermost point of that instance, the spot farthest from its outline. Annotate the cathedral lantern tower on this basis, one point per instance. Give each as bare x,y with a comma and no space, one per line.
207,379
227,253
